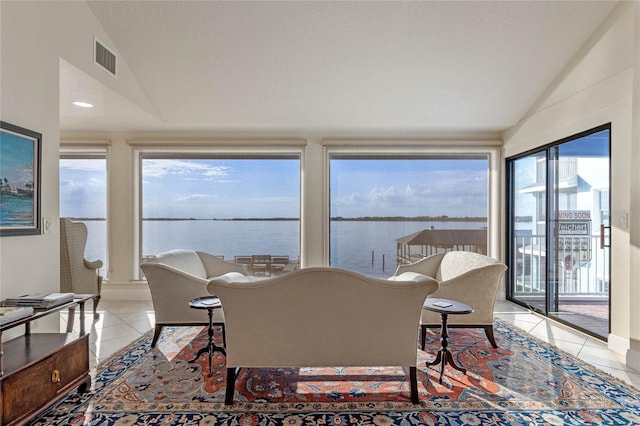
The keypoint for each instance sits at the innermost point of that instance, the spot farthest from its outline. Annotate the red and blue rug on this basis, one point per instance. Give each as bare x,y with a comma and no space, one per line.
524,382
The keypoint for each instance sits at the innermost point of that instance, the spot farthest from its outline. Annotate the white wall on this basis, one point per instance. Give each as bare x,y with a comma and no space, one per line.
33,38
29,98
596,88
633,355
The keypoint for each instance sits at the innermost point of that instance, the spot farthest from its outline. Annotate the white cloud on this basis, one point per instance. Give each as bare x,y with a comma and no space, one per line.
194,197
460,193
161,168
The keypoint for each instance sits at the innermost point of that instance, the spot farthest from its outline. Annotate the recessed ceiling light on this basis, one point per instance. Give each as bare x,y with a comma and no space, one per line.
82,104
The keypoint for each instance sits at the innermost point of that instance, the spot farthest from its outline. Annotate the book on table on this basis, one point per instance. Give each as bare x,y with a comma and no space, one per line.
14,313
41,300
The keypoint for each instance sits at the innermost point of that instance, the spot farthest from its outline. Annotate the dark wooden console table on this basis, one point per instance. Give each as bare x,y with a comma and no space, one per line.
37,370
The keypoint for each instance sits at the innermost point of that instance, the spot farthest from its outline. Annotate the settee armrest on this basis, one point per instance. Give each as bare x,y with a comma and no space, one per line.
229,277
408,276
215,266
427,266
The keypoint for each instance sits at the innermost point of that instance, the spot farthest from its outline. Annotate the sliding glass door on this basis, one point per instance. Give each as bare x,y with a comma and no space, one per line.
528,224
558,226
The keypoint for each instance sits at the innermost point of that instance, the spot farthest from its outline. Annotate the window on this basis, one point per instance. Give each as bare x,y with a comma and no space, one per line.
398,208
83,197
243,208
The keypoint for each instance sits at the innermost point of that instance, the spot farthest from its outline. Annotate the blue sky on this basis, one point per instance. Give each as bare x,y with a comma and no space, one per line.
221,188
83,188
417,187
231,188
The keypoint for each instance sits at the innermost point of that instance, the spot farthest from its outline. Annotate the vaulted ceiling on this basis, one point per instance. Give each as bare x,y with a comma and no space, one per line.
418,66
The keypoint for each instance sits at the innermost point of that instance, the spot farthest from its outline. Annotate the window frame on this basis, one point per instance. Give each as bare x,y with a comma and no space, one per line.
92,150
494,180
208,151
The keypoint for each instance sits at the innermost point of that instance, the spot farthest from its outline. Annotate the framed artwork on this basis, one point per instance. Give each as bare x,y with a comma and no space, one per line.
19,180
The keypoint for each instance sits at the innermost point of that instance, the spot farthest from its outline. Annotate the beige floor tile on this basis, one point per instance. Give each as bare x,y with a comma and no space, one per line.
571,348
104,349
602,357
142,325
524,321
106,334
554,334
592,342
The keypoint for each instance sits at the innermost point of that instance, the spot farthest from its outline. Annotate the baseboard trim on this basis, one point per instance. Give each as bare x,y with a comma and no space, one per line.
126,291
633,359
618,344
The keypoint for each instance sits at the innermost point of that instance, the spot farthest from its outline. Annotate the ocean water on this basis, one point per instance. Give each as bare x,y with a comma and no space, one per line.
16,211
366,247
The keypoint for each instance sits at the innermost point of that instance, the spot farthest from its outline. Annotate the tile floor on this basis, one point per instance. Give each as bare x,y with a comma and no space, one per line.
122,322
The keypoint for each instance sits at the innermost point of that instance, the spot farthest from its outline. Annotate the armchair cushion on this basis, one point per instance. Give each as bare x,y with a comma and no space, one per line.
234,277
408,276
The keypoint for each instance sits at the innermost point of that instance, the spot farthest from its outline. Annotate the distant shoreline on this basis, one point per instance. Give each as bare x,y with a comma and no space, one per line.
333,219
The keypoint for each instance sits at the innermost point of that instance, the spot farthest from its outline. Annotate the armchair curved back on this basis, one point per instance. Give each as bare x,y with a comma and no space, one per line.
456,263
77,274
467,277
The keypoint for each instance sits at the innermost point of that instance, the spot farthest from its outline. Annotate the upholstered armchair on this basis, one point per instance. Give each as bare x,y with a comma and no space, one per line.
77,274
178,276
467,277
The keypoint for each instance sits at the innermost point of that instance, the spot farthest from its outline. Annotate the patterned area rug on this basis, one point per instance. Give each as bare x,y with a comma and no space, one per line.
524,381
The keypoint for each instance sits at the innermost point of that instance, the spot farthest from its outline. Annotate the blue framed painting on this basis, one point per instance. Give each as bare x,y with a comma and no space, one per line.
19,180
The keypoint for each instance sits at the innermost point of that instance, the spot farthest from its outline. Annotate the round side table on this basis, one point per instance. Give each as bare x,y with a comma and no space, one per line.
446,307
209,303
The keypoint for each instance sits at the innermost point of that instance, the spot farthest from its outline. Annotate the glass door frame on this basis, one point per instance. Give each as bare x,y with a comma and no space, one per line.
551,152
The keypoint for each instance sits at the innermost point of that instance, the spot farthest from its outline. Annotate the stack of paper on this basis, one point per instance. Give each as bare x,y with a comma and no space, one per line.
44,300
13,313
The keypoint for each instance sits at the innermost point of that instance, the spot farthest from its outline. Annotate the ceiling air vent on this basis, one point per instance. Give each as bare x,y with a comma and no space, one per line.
105,58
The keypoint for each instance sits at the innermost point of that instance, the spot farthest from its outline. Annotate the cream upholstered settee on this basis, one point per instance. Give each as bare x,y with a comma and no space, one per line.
319,317
175,277
467,277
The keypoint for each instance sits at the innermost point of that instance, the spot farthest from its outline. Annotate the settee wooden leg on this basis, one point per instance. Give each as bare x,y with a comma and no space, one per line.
488,330
413,381
156,335
231,385
423,335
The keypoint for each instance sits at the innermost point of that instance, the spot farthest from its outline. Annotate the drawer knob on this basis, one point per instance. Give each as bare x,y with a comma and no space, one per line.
55,376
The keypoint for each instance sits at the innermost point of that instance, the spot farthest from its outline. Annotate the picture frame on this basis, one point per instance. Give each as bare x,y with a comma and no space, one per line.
20,168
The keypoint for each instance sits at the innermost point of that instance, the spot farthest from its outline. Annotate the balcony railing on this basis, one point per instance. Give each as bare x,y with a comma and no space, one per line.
581,272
